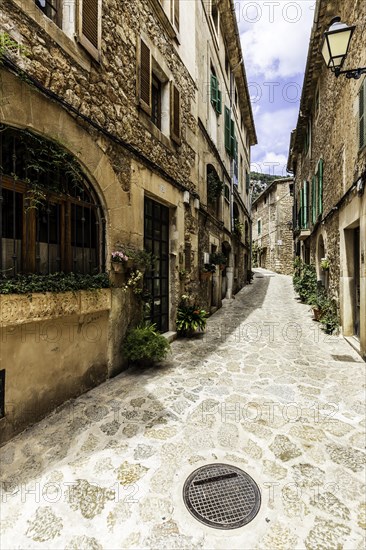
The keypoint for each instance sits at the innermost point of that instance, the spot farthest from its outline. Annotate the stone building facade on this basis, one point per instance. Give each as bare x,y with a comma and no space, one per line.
116,87
328,158
272,227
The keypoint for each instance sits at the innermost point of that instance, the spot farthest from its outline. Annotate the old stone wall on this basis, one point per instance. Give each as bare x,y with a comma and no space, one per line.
105,92
330,113
274,243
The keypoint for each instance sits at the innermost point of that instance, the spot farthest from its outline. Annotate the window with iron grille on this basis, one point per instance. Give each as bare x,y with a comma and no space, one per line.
50,217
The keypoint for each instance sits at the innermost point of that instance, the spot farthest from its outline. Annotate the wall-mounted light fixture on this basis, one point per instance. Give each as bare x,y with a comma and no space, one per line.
336,44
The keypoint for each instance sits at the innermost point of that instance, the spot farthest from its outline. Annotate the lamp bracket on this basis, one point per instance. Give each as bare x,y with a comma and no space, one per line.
351,73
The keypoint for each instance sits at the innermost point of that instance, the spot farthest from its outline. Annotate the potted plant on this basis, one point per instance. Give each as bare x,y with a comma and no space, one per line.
214,187
207,271
325,264
119,261
238,227
143,345
140,259
218,258
190,318
318,301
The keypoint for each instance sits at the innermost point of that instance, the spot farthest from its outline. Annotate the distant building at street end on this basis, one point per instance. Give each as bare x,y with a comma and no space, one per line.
272,227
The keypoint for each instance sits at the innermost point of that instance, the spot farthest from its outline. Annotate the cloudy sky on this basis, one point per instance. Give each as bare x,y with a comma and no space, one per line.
275,39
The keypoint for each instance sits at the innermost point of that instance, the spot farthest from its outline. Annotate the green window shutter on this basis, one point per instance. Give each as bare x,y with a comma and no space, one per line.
236,163
232,138
301,205
227,130
247,181
313,199
219,102
320,187
362,115
305,205
214,91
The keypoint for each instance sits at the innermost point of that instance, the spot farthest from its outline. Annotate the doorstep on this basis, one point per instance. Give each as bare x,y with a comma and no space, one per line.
170,336
354,342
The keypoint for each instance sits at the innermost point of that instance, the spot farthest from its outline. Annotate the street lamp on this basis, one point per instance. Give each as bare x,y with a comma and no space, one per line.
336,44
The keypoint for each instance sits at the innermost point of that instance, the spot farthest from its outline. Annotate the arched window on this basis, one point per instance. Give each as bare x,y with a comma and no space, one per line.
50,217
214,189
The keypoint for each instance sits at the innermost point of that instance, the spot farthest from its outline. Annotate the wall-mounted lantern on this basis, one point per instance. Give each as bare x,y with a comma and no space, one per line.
335,48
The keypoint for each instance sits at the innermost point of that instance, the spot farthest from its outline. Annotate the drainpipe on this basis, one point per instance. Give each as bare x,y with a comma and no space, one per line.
230,268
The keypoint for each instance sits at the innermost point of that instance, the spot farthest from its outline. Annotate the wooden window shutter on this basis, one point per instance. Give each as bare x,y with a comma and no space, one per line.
320,186
175,114
227,130
219,102
90,25
301,206
176,14
145,77
236,164
313,199
232,138
214,91
362,115
305,205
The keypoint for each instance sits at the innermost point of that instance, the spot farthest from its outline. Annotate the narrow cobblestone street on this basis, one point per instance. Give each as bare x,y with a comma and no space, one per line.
264,389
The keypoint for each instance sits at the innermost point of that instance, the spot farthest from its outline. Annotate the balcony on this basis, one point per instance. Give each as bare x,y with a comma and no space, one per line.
302,223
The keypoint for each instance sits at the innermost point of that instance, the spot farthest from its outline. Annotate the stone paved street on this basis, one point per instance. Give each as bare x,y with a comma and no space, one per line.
264,390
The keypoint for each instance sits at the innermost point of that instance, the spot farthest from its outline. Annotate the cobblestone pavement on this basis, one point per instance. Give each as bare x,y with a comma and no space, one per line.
264,390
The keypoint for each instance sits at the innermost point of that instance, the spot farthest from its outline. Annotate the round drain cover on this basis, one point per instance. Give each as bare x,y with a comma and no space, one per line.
222,496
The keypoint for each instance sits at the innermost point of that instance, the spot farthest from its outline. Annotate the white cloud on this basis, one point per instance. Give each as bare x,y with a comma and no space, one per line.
275,36
274,130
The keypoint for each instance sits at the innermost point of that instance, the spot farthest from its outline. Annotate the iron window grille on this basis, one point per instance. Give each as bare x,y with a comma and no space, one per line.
62,231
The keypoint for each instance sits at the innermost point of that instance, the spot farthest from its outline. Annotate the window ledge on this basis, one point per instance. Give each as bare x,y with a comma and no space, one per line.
164,19
154,130
17,309
55,33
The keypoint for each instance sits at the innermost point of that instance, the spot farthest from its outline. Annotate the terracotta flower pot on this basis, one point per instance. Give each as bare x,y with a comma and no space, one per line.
206,275
317,313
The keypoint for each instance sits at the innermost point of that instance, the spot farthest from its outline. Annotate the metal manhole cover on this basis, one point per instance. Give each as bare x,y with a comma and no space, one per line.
222,496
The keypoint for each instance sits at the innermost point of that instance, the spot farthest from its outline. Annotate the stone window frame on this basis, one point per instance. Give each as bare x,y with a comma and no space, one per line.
215,16
56,6
159,68
64,38
165,10
259,227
